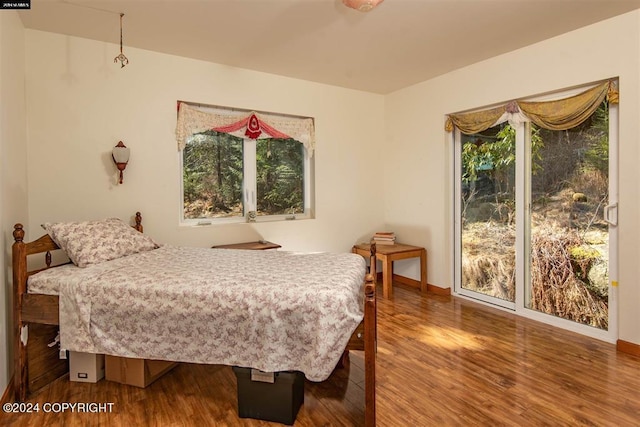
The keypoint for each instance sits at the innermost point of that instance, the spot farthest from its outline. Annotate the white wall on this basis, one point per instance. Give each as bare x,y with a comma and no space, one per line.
417,184
80,104
13,177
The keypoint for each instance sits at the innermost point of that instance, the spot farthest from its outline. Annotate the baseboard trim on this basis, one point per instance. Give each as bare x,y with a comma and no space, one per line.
438,290
628,347
416,284
9,394
406,281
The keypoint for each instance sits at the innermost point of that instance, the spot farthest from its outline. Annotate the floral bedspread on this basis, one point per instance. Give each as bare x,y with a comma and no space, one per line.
269,310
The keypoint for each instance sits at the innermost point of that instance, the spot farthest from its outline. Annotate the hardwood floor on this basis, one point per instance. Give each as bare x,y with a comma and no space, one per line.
441,361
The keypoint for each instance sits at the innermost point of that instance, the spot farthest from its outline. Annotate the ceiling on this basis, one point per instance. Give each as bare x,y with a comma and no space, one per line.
399,43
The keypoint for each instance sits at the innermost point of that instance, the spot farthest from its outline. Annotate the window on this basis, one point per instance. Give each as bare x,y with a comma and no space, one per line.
228,176
280,177
212,172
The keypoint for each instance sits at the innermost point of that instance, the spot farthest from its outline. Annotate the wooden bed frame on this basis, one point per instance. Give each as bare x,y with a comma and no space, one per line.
36,320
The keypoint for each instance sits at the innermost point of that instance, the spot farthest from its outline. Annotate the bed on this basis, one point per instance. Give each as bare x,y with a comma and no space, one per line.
269,310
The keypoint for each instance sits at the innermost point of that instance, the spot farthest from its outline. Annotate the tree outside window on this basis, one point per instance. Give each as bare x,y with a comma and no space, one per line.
225,176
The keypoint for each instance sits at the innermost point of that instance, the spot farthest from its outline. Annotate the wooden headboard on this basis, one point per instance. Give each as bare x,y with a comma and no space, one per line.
40,312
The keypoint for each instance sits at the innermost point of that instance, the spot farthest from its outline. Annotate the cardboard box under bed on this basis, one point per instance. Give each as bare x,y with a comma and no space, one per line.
136,372
86,367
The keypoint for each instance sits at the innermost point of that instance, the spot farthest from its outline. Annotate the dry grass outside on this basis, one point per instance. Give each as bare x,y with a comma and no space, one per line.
488,266
557,287
488,259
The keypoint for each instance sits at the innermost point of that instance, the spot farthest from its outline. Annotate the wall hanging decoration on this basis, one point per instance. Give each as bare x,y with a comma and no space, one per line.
123,59
120,155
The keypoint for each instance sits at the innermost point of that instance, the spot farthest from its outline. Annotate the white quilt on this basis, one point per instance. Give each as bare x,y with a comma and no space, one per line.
269,310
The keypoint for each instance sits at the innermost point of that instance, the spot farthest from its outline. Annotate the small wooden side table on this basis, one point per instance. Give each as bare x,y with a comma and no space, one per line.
389,253
260,245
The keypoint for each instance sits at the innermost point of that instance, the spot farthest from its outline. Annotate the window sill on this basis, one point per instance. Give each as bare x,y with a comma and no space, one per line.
242,220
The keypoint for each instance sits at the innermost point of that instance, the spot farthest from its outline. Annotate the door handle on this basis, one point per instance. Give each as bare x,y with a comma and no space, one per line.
610,214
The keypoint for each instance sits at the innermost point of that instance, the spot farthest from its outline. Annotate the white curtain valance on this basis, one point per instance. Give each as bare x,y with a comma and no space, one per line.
253,125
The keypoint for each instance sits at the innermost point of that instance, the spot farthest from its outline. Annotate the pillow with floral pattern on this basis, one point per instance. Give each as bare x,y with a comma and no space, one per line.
93,242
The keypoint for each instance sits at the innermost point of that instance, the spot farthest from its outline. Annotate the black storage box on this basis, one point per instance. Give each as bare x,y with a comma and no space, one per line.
273,396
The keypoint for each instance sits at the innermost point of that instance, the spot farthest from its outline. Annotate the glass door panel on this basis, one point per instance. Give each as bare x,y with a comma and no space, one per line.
569,239
487,215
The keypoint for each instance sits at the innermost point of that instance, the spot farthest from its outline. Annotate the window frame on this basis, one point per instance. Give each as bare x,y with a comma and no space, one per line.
249,184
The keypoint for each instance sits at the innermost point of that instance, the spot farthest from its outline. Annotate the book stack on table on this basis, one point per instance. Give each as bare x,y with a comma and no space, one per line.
384,238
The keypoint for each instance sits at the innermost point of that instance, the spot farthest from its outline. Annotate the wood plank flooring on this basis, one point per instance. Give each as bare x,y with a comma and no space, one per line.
442,361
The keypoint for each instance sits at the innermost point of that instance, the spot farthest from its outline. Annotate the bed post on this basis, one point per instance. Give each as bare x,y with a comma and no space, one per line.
370,344
138,225
19,288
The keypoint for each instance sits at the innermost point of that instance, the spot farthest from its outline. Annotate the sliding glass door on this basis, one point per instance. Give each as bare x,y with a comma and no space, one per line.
535,220
569,235
487,215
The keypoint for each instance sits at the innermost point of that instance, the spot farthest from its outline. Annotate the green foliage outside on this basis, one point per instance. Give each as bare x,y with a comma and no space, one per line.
597,155
280,181
496,155
213,173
